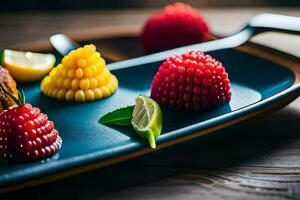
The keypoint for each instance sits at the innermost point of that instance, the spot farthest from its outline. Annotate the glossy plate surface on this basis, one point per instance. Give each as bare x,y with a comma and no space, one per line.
256,84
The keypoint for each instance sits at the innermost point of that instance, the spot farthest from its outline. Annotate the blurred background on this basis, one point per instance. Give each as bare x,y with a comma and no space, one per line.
28,24
119,4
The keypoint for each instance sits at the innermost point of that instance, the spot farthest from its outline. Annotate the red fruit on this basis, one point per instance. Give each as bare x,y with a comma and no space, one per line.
178,24
26,134
192,80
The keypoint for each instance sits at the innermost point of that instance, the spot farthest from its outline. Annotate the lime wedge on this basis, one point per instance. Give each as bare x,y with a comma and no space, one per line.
147,119
27,66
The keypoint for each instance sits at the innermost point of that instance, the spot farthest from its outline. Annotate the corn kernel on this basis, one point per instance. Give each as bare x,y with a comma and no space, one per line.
87,72
89,95
102,62
94,69
70,95
53,72
79,73
48,90
93,83
54,78
67,83
54,92
92,59
75,84
81,63
84,83
71,73
100,80
98,93
45,81
59,67
110,87
97,55
65,72
106,76
105,91
61,94
114,81
60,82
85,53
91,46
71,64
79,96
45,88
65,60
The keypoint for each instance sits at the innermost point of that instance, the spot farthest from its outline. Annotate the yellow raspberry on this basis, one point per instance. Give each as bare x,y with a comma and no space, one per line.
82,76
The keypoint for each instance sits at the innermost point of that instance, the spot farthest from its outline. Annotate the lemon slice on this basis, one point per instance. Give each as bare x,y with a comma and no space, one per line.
27,66
147,119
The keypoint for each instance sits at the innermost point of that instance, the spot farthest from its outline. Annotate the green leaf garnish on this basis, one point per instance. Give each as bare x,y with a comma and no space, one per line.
20,100
121,116
1,56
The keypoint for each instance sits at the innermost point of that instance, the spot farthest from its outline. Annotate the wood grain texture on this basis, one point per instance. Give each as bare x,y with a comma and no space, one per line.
260,160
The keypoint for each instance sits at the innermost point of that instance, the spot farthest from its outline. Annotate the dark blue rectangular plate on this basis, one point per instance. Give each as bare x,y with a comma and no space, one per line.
263,80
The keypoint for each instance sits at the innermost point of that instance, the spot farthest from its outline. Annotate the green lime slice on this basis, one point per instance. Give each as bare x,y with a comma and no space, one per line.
147,119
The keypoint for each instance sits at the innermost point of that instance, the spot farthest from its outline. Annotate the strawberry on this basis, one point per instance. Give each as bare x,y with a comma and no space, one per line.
26,134
192,80
178,24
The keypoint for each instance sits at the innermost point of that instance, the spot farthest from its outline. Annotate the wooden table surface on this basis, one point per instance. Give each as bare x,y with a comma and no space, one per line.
260,160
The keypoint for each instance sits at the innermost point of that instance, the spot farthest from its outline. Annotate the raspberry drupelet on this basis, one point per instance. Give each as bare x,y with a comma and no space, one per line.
192,80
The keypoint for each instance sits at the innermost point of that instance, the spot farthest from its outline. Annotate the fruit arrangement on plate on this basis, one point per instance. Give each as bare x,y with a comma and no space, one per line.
193,81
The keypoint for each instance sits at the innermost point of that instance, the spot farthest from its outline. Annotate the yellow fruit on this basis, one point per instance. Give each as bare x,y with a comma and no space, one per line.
98,93
93,83
75,84
84,84
89,95
71,73
67,83
60,82
82,76
27,66
81,63
61,94
79,73
70,95
87,72
79,96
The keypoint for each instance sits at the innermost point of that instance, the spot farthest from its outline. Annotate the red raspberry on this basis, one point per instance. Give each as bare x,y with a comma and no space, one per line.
178,24
26,134
192,80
